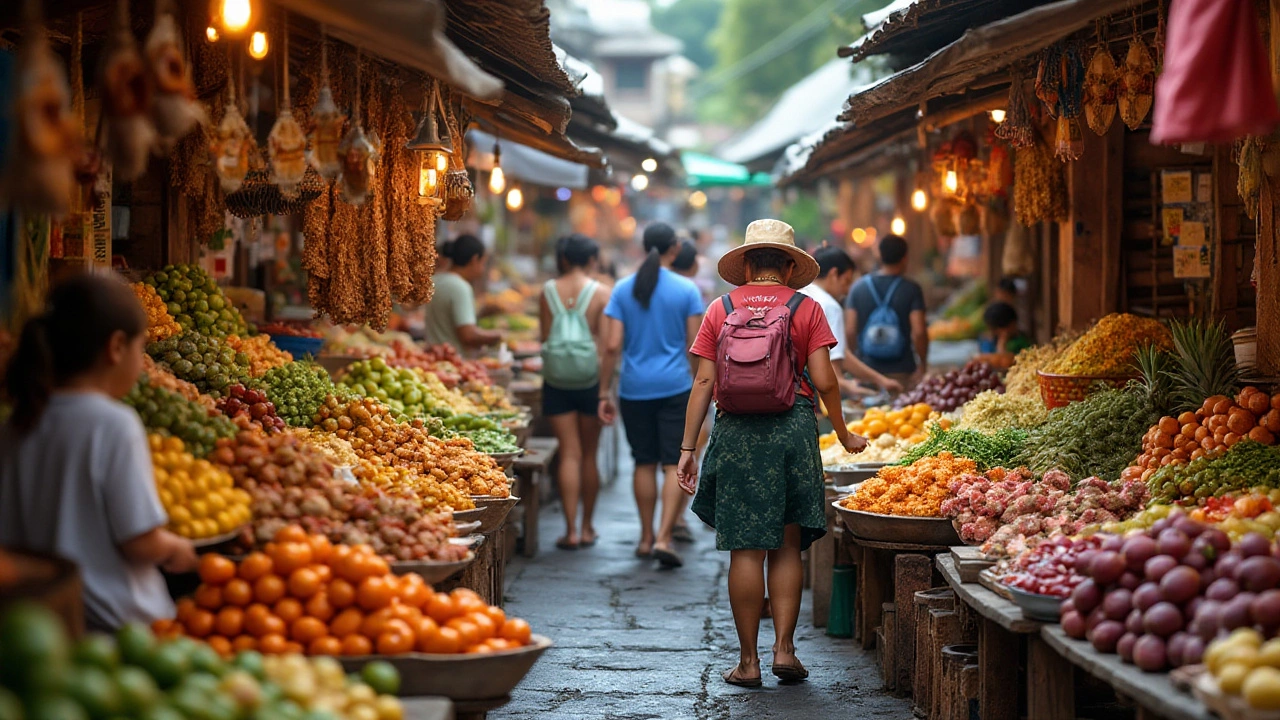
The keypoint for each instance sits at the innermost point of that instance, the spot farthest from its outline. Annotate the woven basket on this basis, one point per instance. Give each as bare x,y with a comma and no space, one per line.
259,196
1060,390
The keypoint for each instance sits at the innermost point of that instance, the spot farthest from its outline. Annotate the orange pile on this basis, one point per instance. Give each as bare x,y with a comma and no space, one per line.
303,595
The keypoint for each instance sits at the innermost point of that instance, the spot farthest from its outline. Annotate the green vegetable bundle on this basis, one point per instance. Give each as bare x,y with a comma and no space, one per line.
1098,436
988,451
492,441
1247,464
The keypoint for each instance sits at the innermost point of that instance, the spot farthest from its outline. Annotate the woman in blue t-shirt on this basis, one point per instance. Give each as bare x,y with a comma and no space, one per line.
650,322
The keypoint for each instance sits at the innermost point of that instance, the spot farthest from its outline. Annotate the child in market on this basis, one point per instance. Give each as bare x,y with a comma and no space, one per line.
75,468
1003,336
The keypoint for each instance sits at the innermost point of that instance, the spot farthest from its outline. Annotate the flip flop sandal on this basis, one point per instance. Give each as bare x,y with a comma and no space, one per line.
683,534
589,543
731,676
790,673
644,554
564,544
668,558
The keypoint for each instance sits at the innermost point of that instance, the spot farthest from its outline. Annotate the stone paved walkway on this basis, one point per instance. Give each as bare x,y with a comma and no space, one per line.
635,642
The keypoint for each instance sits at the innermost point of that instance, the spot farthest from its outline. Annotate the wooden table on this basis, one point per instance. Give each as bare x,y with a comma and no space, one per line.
533,475
1003,636
487,575
1153,693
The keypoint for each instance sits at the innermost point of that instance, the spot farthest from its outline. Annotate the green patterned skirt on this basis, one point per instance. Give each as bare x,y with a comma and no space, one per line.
760,474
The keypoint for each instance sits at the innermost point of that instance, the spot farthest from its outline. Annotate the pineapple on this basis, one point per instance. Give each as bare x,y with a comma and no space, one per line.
1203,364
1153,364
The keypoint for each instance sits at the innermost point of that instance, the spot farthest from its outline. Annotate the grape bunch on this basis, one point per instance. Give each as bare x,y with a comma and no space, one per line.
205,361
245,402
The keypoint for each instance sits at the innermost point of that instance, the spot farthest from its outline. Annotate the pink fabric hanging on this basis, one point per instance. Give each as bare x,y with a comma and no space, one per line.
1216,85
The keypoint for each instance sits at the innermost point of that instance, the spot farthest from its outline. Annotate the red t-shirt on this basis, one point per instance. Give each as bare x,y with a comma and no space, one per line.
809,328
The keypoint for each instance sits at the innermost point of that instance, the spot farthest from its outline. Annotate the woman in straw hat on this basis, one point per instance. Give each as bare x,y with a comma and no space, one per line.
761,485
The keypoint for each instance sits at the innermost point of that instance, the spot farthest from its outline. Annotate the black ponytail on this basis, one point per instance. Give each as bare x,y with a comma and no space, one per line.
658,239
68,339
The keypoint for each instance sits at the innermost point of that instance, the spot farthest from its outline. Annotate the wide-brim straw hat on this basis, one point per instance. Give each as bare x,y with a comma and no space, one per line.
773,234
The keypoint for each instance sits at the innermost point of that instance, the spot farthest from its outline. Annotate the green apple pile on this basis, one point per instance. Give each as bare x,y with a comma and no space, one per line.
397,388
171,414
202,360
194,299
43,676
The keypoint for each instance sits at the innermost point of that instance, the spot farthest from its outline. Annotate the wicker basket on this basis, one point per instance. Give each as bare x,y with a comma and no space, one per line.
1060,390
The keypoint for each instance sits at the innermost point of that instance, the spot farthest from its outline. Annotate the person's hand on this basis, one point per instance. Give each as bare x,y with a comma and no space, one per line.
890,385
917,376
607,411
687,472
182,558
854,444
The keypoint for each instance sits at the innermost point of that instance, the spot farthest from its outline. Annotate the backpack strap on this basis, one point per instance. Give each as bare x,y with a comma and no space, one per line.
552,295
793,305
584,297
893,288
727,302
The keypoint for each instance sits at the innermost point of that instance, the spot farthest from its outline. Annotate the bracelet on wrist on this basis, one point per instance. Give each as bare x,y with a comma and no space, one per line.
688,449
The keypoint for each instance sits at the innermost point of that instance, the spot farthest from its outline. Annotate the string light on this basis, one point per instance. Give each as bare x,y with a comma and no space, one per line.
697,199
898,226
233,15
515,199
640,182
258,46
951,182
497,181
997,116
919,200
211,34
649,165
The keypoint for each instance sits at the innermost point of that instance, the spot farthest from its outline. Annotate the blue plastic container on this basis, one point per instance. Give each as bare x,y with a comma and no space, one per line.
300,348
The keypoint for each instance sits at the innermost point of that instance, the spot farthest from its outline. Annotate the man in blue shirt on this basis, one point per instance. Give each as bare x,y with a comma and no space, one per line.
890,290
651,321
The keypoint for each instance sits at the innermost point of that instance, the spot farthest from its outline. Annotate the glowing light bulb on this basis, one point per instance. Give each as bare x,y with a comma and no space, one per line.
698,200
997,116
236,15
649,165
258,46
951,182
919,201
859,235
515,199
497,181
211,34
640,182
898,226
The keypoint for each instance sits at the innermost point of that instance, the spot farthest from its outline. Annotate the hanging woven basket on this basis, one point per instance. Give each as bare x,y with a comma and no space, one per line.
458,193
259,196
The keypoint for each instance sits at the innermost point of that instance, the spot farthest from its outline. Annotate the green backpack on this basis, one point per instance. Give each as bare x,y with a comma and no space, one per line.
569,359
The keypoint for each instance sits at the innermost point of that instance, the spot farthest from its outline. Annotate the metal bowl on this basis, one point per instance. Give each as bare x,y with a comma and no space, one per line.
898,528
493,511
1042,608
469,541
468,516
460,677
505,460
215,540
852,474
433,571
466,528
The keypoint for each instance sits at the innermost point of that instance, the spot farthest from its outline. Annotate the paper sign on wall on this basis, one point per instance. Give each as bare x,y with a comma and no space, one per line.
1191,261
1175,187
1192,234
1171,219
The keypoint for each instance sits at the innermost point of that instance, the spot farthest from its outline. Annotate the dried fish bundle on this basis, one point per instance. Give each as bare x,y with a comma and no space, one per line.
232,146
1101,83
127,131
326,134
1017,128
1137,84
175,110
1249,180
47,140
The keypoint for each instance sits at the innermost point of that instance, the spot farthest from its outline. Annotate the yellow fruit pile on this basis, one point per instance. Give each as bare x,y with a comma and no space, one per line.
435,496
908,423
263,355
1245,665
201,499
160,324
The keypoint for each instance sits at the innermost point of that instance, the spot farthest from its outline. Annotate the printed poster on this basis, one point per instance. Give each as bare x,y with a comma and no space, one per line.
1171,219
1175,187
1193,233
1191,261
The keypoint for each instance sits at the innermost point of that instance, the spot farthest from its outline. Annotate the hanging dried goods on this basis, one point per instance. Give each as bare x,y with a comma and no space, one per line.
327,122
1039,190
1101,87
1137,84
1017,128
1249,179
358,154
287,143
175,110
127,132
1049,78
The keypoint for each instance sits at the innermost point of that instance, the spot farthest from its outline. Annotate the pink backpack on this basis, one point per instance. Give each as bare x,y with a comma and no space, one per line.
755,360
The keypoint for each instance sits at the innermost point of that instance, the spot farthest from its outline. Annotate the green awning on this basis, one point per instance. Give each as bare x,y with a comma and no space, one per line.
705,170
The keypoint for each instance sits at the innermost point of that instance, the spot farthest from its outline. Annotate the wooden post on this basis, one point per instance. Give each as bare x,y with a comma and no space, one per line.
871,594
1050,683
922,681
888,648
1268,295
821,562
998,667
912,574
944,630
1089,241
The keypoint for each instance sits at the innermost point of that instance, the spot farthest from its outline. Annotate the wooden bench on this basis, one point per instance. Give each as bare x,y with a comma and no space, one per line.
533,476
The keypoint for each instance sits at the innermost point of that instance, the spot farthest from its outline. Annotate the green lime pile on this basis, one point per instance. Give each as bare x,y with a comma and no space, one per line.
1247,464
298,389
202,360
171,414
44,676
196,302
397,388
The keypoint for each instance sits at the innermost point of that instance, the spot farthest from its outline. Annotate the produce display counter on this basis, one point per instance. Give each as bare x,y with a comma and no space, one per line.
1153,693
533,478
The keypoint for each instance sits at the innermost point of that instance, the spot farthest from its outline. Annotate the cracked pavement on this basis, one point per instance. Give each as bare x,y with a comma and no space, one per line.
636,642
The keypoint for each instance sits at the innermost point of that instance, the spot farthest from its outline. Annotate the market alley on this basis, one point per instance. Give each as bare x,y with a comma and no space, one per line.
633,641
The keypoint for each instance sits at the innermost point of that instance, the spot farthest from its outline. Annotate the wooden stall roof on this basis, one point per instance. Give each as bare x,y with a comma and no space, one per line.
980,53
846,147
911,30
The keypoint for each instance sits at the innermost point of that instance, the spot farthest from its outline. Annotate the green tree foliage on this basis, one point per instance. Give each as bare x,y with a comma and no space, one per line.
692,22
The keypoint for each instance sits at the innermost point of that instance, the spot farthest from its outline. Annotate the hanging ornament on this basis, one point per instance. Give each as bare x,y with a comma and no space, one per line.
232,144
287,143
359,155
327,121
458,190
41,170
175,109
1068,141
1017,128
1049,78
127,133
1101,85
1137,81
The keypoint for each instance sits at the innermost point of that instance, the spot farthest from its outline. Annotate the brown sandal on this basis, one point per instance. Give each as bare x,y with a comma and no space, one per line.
790,673
733,677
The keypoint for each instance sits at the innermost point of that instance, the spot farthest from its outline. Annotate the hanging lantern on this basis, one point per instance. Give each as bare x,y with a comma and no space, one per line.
497,178
950,182
898,226
230,17
258,45
919,200
432,148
